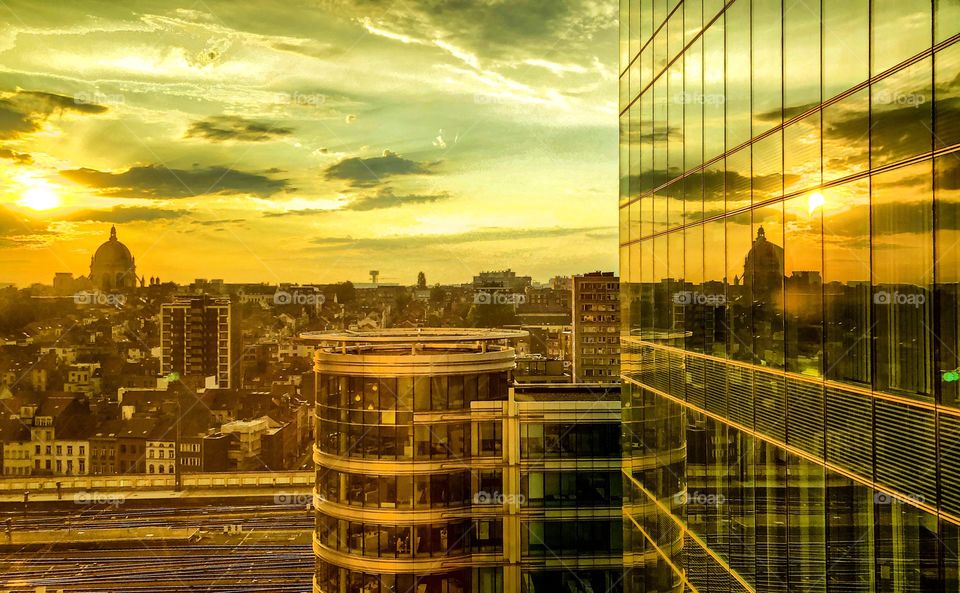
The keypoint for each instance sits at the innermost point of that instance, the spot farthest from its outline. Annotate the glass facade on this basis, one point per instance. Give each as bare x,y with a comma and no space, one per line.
436,475
789,292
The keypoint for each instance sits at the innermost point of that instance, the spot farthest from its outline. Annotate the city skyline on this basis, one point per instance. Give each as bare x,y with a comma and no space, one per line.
307,141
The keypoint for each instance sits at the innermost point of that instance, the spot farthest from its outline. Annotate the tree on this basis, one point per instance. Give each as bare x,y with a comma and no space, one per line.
345,292
421,280
492,316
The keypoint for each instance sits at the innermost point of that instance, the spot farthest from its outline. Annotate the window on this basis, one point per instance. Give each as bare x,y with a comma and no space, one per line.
947,95
713,91
845,44
902,110
901,29
766,65
737,97
801,56
902,258
846,136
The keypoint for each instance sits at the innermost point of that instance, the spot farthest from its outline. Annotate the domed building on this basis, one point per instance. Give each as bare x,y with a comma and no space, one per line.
763,268
113,266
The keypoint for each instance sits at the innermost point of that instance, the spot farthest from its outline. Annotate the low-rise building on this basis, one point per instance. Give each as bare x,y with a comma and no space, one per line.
250,440
161,456
16,453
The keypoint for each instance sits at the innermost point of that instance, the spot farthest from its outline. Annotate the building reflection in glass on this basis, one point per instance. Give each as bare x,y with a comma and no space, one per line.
792,325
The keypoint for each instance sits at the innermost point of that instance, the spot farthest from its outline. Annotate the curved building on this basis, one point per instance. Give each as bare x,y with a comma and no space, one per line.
401,497
113,266
435,474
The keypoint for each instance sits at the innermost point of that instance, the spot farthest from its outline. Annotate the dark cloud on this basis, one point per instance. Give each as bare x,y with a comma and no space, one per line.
25,111
159,182
225,127
120,214
948,172
361,172
21,158
218,221
385,198
304,212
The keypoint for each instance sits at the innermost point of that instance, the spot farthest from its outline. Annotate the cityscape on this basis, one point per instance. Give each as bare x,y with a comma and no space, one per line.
379,296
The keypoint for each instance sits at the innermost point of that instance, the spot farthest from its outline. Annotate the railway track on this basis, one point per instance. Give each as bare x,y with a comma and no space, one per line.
209,568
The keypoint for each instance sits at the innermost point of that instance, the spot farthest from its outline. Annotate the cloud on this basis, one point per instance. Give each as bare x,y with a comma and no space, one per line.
218,222
385,198
121,214
225,128
24,112
157,182
16,226
490,28
21,158
304,212
361,172
459,239
381,200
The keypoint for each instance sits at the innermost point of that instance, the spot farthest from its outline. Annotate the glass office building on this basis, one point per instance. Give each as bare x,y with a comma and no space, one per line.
790,259
436,475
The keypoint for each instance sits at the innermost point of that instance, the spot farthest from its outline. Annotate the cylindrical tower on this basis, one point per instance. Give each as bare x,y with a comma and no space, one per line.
397,482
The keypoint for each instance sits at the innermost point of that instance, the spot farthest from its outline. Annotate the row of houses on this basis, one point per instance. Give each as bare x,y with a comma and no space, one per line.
156,431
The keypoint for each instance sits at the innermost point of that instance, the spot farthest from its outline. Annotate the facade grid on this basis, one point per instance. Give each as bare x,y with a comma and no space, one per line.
790,175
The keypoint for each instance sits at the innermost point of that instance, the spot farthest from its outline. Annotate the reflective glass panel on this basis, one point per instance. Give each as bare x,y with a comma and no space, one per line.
901,107
901,29
845,45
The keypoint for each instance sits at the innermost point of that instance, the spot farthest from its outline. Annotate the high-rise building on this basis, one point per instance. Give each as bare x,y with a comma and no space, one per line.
596,327
435,476
789,179
199,339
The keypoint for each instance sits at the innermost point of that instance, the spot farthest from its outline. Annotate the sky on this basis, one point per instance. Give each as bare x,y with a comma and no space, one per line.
309,140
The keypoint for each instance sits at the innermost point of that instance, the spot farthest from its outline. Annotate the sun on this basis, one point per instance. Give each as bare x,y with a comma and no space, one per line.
814,201
39,195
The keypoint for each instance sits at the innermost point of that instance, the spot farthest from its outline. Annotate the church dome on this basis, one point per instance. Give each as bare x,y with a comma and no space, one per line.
113,252
113,266
763,267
